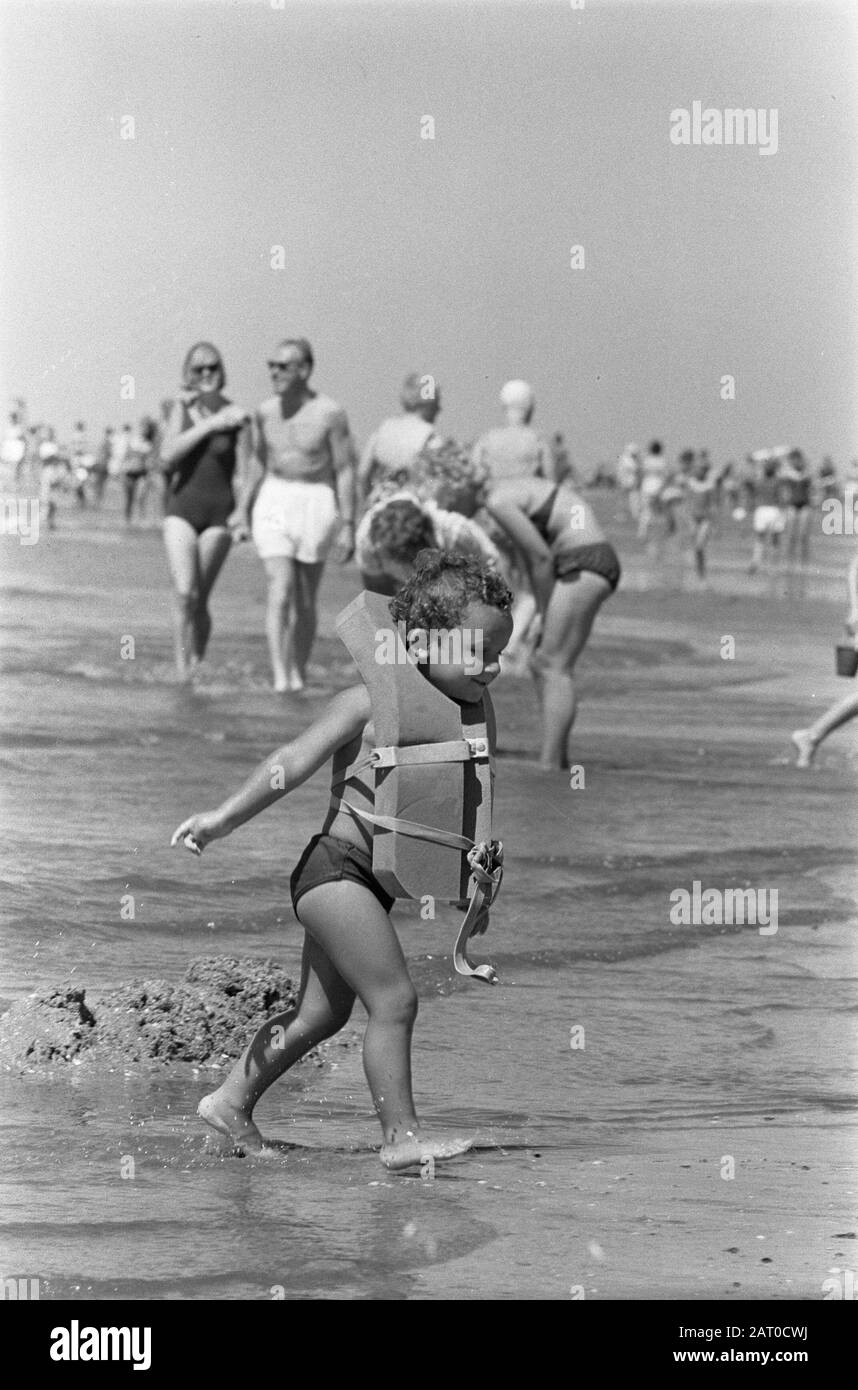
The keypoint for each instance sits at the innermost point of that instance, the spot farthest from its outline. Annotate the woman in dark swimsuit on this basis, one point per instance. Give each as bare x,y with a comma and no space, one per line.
205,437
572,569
797,480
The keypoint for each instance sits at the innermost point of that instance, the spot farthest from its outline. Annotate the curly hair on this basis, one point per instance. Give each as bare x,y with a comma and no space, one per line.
441,588
446,472
401,530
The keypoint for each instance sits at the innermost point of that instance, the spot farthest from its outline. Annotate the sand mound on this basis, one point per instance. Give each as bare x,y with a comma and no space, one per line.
211,1013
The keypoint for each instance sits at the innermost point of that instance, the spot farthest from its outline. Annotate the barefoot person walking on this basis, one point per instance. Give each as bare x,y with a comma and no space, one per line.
305,506
807,740
350,945
205,438
700,492
797,483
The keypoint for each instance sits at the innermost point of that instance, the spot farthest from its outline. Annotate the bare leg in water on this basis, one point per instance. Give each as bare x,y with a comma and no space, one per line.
306,588
280,570
350,948
701,536
213,547
808,740
568,621
180,540
524,629
195,563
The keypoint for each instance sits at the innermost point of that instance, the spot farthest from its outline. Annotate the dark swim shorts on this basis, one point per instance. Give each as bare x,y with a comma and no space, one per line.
599,559
328,860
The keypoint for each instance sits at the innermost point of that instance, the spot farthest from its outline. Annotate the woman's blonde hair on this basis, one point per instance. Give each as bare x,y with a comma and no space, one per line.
186,380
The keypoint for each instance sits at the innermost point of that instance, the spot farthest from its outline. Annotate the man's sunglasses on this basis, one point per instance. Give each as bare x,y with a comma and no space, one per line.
285,366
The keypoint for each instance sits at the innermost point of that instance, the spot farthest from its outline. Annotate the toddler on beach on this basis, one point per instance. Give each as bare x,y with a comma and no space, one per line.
350,945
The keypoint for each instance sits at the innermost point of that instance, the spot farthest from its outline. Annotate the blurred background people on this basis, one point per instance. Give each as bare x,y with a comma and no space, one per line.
514,449
393,447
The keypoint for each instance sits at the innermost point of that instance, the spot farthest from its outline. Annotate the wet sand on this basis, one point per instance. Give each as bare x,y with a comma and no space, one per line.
601,1170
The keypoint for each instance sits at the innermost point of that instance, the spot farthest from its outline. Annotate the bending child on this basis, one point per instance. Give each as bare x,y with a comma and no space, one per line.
350,945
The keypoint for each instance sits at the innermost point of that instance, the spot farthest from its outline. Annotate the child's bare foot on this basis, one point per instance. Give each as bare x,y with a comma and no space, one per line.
228,1120
806,745
412,1148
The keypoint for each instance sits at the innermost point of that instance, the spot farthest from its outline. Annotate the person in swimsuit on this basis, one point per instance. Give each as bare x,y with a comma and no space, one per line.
305,505
572,570
827,477
139,460
653,481
672,494
350,945
54,472
394,446
700,491
796,478
807,740
132,469
514,450
13,451
204,439
101,466
769,520
730,488
82,462
629,478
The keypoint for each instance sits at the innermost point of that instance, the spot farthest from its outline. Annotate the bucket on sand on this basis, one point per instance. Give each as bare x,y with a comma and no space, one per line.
847,660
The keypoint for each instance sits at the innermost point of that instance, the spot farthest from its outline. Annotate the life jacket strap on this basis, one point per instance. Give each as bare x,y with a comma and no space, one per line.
412,828
486,864
460,750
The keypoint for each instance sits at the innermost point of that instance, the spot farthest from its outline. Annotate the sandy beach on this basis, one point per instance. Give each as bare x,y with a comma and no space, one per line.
662,1111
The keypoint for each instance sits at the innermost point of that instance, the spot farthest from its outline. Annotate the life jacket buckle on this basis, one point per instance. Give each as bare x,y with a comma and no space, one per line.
460,750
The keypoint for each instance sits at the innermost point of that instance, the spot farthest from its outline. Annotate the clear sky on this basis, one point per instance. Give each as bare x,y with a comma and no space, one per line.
300,127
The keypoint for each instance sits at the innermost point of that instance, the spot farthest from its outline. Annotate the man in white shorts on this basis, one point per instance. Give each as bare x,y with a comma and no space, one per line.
305,505
769,517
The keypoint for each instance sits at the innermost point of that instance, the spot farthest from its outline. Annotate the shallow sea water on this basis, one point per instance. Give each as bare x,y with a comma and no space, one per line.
597,1165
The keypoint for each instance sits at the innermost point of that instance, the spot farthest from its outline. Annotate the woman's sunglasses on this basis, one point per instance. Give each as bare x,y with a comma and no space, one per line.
204,367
